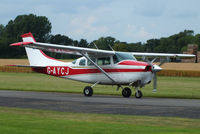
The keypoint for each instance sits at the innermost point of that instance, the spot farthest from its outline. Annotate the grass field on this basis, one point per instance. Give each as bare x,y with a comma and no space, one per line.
23,121
176,87
26,121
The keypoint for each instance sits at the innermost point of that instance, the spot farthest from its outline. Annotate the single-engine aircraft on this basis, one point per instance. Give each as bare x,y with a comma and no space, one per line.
95,66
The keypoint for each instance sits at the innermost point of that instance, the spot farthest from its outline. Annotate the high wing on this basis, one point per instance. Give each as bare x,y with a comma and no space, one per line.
65,49
92,52
162,55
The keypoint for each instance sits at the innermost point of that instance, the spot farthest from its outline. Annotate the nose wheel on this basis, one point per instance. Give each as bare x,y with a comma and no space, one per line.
138,94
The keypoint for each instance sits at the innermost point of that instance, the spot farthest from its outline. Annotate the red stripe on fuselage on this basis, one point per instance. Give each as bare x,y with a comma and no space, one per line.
91,71
64,71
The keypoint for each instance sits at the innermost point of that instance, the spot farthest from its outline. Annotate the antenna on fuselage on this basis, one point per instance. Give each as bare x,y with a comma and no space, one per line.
111,47
94,45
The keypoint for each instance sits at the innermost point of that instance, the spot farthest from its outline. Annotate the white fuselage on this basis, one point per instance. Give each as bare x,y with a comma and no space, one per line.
123,72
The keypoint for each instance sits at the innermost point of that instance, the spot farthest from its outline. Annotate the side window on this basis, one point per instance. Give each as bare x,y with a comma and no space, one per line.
74,62
90,63
103,61
82,62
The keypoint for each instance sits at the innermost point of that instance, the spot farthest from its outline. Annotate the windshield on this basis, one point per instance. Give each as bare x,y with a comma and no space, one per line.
119,56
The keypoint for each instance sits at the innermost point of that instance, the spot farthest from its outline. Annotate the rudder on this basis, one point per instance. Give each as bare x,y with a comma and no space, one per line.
37,57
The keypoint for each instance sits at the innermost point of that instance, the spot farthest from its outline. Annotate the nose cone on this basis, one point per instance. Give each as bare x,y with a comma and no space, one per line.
156,68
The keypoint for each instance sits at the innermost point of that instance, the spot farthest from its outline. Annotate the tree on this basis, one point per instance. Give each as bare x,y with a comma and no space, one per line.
196,40
173,44
38,25
104,42
60,39
1,29
83,43
152,44
75,43
136,47
120,47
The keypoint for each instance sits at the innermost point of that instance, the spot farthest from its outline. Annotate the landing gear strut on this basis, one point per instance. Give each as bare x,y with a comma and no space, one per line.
88,91
126,92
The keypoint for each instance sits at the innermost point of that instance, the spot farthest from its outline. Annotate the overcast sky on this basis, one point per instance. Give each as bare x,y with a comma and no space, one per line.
126,20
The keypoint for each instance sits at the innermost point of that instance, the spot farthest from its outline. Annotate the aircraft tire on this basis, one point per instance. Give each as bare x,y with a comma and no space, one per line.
126,92
138,94
88,91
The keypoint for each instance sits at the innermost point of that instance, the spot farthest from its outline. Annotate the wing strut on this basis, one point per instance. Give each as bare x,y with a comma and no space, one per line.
98,67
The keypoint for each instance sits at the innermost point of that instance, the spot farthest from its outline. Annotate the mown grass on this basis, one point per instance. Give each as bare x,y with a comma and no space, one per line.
23,121
176,87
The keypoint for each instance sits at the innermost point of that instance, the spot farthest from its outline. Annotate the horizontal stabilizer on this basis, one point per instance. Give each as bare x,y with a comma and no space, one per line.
21,43
24,66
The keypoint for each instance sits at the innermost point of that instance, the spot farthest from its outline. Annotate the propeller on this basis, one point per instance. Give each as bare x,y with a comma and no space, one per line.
154,82
155,68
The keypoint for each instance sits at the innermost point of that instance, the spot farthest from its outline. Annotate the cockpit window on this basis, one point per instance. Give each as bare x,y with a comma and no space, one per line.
120,56
82,62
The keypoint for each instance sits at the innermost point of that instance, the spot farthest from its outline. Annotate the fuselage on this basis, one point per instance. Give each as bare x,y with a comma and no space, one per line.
122,67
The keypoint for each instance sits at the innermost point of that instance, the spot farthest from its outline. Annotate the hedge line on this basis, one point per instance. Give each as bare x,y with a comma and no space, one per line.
179,73
15,69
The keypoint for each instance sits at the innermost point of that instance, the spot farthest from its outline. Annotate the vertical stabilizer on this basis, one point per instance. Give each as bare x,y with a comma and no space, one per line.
37,57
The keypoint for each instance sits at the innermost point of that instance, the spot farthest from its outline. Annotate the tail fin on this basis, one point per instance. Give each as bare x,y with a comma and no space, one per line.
37,57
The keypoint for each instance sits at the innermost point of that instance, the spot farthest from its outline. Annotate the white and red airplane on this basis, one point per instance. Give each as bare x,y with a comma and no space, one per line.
95,66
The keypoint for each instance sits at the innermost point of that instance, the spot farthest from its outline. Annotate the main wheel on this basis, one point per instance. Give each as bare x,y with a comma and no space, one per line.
126,92
88,91
138,94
